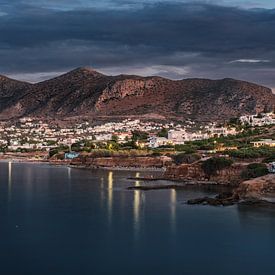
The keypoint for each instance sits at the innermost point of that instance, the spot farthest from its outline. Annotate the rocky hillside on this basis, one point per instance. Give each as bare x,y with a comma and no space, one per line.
11,91
85,92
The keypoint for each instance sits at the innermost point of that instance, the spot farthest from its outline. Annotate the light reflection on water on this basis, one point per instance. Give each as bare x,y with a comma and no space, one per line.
110,195
71,217
10,180
173,197
136,207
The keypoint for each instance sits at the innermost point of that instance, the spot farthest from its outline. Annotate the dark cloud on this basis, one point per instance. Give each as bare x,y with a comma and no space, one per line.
173,39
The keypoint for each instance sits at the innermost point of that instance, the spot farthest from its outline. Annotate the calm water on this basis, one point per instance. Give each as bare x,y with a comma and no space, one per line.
57,220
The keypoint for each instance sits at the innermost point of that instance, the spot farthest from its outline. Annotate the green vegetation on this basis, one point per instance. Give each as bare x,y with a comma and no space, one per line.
187,148
163,133
234,122
121,153
269,159
254,170
50,142
3,149
53,152
115,138
57,150
183,153
139,135
212,165
252,153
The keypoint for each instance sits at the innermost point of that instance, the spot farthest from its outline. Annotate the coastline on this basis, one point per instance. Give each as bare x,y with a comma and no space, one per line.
68,164
226,195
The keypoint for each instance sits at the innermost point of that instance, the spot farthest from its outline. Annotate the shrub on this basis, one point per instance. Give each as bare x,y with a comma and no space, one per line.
163,133
53,152
212,165
254,170
269,159
251,152
188,149
139,135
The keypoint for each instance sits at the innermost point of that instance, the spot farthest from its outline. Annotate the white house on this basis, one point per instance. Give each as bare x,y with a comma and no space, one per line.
155,142
177,136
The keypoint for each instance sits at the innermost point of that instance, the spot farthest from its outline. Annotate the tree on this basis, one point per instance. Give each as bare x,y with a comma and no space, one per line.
254,170
53,152
163,133
234,121
212,165
139,135
114,138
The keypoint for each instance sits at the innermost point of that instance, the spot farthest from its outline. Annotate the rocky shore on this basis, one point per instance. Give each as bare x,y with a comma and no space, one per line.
257,192
123,162
257,188
193,172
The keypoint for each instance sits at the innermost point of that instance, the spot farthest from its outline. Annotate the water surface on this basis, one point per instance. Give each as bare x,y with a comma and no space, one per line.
59,220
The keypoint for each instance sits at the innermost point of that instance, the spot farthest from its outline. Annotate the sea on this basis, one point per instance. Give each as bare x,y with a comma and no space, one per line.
63,220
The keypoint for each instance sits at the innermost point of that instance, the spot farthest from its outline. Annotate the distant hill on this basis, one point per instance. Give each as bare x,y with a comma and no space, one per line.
86,92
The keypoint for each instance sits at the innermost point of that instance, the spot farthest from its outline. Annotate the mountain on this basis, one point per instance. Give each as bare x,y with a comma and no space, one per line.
11,91
86,92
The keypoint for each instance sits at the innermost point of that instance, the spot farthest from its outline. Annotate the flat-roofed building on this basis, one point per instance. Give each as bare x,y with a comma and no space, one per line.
264,142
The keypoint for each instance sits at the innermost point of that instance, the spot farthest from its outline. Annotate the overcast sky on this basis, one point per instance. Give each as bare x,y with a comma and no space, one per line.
177,39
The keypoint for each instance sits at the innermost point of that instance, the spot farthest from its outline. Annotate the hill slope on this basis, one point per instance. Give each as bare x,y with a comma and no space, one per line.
11,91
85,92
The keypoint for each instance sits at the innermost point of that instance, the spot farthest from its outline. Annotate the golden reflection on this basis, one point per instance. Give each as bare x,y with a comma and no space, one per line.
137,205
9,179
173,202
110,194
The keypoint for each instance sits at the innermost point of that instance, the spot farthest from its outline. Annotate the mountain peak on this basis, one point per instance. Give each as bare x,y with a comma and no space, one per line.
86,70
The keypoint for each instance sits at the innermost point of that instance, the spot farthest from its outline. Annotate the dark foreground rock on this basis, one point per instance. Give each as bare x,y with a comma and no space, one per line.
224,199
251,193
156,187
258,203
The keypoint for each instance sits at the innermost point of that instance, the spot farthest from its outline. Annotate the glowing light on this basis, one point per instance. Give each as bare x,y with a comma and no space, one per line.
173,201
9,180
136,207
110,194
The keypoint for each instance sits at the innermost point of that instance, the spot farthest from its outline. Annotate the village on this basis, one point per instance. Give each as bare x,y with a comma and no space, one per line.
34,134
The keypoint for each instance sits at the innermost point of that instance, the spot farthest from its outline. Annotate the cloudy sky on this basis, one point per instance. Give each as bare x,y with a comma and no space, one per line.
177,39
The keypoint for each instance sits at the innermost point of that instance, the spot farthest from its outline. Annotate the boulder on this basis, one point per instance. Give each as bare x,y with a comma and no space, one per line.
256,188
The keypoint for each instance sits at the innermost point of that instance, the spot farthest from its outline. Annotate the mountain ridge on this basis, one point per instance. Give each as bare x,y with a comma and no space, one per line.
87,92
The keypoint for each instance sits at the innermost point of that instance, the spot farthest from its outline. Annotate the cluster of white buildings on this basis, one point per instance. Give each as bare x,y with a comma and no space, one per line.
180,136
259,119
30,133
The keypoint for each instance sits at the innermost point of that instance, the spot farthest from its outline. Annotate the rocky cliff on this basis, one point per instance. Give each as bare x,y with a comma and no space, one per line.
257,188
230,176
122,162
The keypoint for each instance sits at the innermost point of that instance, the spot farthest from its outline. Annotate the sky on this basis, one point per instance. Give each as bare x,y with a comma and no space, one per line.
40,39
